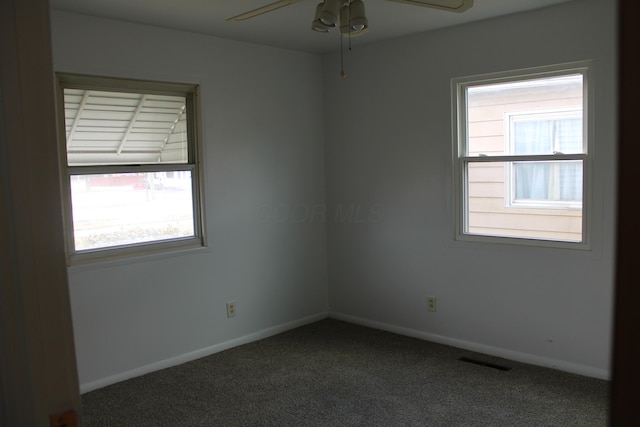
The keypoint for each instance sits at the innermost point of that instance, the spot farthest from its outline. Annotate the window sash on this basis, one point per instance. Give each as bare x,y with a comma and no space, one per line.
116,210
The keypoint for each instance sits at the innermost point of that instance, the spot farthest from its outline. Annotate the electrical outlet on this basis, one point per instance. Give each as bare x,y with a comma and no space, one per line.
231,309
431,304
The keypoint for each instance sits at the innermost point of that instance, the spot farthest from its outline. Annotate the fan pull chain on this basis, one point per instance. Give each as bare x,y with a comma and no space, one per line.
342,73
349,25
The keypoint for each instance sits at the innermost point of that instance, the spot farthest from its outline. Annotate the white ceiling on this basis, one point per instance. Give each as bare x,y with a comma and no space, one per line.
289,27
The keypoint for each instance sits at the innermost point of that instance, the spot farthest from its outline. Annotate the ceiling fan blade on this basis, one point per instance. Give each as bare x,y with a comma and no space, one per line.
449,5
262,10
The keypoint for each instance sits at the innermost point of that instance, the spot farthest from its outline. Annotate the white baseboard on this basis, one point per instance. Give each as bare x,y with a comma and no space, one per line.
561,365
188,357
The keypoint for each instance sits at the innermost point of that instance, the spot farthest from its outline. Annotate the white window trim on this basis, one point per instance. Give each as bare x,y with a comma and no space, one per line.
551,113
194,165
461,159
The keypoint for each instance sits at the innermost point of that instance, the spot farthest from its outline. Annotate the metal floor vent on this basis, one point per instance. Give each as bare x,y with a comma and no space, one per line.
483,363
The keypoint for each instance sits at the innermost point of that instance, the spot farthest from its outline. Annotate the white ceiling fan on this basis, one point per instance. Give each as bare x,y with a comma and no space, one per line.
349,15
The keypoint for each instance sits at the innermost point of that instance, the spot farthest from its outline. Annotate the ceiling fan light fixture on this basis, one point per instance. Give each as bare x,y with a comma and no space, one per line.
353,21
358,21
317,24
328,14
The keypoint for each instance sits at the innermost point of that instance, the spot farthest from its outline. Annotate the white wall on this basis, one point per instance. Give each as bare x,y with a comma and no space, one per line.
388,150
263,150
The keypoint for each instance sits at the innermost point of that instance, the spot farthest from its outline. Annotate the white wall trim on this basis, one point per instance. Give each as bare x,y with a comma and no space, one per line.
197,354
561,365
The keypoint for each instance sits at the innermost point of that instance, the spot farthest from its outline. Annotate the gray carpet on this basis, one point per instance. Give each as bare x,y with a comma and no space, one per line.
333,373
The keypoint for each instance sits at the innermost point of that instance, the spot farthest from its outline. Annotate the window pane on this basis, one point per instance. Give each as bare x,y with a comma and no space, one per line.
122,209
105,128
546,136
488,212
488,105
533,137
548,181
568,136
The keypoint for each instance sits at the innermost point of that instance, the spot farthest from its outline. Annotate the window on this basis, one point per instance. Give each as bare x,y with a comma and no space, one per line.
521,151
130,163
545,184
